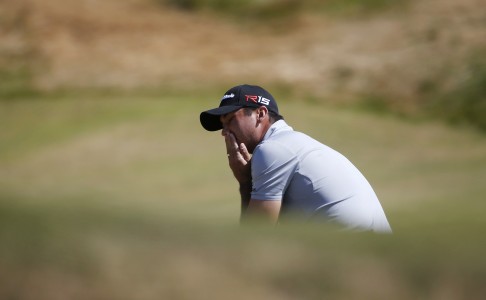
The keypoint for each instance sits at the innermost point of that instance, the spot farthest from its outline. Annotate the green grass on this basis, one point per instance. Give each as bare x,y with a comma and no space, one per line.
107,196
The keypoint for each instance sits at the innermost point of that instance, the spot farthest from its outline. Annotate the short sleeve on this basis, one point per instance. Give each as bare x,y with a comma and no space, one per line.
273,165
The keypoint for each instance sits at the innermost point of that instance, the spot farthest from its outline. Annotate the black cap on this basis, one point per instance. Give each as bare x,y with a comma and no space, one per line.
234,99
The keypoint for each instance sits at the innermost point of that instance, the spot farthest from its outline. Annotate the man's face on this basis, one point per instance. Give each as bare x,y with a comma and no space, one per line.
243,126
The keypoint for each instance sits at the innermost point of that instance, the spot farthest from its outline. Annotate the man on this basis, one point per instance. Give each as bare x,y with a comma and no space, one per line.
282,172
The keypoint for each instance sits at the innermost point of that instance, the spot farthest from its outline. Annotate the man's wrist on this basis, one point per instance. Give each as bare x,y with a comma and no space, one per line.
245,193
245,185
245,190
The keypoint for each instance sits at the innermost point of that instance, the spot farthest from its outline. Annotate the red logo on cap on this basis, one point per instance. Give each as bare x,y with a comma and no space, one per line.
257,99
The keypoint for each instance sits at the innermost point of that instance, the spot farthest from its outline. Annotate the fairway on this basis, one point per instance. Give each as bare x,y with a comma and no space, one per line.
125,196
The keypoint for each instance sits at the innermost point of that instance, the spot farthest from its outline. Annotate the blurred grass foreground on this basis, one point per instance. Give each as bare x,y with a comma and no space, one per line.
110,188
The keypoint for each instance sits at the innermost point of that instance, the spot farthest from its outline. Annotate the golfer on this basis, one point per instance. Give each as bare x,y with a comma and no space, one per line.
282,172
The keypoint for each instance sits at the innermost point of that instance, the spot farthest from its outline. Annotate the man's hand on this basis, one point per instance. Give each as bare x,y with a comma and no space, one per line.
238,158
239,161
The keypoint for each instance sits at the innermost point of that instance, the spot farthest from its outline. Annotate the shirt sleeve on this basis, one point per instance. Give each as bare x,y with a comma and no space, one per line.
272,168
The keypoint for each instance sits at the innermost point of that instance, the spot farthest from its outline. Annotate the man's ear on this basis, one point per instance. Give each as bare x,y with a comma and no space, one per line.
262,112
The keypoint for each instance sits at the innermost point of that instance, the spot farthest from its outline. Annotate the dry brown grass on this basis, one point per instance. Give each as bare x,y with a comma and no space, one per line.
133,43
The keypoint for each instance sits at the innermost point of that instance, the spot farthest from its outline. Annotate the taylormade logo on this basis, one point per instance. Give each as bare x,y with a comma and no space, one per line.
228,96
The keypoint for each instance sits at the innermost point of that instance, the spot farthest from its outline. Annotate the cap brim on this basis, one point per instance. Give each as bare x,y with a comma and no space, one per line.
210,118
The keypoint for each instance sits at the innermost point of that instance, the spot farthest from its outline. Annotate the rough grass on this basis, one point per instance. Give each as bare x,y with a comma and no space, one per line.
411,57
125,196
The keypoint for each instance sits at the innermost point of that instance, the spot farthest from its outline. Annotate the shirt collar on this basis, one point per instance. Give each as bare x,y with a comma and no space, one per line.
277,127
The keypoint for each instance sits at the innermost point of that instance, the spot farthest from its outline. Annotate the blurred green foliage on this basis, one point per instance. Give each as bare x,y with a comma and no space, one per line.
459,102
16,83
66,252
255,9
466,101
252,8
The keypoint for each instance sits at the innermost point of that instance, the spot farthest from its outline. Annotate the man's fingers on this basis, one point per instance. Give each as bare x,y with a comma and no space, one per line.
244,152
236,152
227,139
231,144
238,157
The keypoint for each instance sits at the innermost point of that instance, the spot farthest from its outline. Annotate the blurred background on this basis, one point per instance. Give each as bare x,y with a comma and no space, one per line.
111,189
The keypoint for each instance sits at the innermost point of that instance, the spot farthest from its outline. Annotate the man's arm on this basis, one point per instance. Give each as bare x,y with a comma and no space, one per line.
262,210
239,160
266,211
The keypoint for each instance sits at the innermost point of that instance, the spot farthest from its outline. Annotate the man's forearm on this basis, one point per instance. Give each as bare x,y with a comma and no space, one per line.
245,192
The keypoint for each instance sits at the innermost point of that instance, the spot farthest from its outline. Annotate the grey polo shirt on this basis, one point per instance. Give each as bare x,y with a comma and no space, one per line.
313,181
